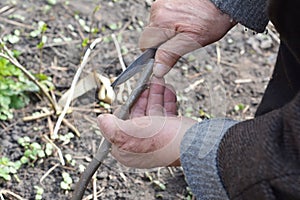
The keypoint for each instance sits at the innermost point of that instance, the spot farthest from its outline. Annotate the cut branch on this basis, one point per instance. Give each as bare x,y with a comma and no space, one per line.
105,146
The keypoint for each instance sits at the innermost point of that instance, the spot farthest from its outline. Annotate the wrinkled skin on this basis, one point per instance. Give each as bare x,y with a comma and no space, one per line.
151,138
179,27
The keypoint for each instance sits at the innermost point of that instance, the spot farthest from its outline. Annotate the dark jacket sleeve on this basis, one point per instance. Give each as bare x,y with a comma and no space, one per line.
250,13
260,158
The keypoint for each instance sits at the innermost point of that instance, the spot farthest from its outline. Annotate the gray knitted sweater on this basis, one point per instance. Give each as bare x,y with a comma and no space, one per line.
250,13
198,156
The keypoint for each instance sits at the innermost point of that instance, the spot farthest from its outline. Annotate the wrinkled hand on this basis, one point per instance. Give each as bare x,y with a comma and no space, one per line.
181,26
151,138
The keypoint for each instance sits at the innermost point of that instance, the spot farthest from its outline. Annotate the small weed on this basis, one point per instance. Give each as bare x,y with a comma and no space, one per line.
51,2
239,107
189,194
66,138
70,160
67,181
33,151
12,38
14,88
159,185
39,192
8,167
203,114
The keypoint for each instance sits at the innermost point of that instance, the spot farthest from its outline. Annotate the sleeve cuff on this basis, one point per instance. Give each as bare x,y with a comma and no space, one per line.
198,153
250,13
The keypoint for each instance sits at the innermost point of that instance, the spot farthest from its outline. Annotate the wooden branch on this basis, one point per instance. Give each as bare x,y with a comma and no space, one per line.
105,146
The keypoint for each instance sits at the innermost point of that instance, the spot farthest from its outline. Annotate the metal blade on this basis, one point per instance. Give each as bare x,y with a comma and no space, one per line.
135,67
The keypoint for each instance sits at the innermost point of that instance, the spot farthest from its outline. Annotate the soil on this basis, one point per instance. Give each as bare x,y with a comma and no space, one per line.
225,79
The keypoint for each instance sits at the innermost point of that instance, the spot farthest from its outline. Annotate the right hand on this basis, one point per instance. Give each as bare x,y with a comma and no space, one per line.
152,137
181,26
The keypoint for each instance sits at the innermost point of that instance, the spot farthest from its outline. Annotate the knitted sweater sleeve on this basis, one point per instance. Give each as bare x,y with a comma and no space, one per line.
250,13
198,158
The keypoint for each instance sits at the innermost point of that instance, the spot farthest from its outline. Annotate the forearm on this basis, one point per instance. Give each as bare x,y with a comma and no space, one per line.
250,13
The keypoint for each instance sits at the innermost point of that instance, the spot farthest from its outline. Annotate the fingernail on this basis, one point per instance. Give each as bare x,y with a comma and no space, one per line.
100,120
159,70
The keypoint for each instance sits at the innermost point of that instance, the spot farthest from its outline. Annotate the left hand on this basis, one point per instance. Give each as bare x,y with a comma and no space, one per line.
151,138
178,27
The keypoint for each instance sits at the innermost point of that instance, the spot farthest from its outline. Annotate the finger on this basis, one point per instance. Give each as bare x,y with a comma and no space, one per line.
169,52
154,37
156,97
170,101
139,108
130,133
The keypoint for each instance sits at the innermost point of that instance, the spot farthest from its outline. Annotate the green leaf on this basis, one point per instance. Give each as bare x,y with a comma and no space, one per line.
13,39
85,42
6,177
48,149
68,180
17,102
113,26
4,160
35,33
35,145
68,157
64,186
12,170
17,165
38,197
28,153
51,2
41,154
159,184
39,190
41,76
65,175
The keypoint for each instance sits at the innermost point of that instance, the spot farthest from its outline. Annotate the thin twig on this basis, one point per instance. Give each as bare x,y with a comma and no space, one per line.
71,126
74,82
60,155
38,116
91,196
50,125
105,146
48,172
5,192
113,36
1,196
95,186
15,23
218,53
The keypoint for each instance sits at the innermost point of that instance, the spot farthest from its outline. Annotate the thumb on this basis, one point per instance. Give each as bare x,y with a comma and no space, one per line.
107,125
169,52
171,46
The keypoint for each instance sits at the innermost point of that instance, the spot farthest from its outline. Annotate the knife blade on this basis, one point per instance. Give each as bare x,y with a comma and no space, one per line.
136,66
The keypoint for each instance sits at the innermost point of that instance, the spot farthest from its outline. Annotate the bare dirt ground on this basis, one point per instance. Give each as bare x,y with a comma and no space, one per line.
227,78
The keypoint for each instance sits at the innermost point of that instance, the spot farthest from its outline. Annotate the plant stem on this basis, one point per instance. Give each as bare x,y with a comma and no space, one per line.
105,146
